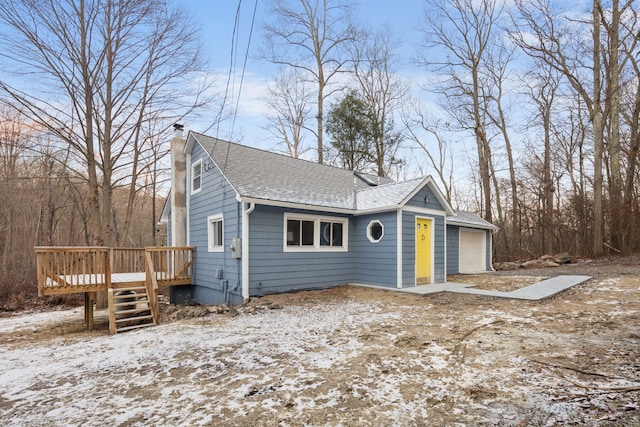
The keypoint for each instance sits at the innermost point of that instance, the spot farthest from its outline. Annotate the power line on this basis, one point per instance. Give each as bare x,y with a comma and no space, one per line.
230,73
244,65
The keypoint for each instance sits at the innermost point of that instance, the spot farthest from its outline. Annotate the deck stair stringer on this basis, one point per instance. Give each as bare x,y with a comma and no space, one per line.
129,308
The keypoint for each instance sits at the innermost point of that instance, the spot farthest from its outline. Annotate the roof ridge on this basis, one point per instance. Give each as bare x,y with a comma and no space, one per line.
388,184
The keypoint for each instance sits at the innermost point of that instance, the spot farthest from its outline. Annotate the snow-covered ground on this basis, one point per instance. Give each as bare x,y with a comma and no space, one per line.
356,357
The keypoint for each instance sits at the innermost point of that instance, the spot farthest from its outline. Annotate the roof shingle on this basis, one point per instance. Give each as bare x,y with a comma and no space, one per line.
264,175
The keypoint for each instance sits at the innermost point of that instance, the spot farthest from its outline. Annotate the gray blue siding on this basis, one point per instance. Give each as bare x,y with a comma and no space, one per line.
272,270
489,253
375,263
216,197
418,200
408,249
453,249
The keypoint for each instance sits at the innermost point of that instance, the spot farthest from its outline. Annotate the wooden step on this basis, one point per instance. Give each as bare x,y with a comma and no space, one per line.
138,326
135,318
131,311
138,291
117,288
129,292
122,304
135,295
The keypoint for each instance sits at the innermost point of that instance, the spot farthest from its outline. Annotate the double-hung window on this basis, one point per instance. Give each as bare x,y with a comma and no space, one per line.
306,233
196,176
215,231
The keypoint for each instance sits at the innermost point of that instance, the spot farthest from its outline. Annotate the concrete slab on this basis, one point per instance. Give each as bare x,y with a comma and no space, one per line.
421,289
548,287
534,292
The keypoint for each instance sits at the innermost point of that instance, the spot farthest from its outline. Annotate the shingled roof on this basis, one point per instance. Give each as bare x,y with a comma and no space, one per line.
260,174
470,219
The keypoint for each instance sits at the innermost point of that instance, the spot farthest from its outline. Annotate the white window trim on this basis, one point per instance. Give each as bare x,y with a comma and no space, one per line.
193,166
369,236
317,219
210,219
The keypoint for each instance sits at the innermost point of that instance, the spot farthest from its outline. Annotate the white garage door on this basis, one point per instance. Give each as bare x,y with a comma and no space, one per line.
473,251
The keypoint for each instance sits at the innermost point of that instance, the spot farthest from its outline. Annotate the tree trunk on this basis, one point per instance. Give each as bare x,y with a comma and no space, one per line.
320,117
619,220
598,217
548,188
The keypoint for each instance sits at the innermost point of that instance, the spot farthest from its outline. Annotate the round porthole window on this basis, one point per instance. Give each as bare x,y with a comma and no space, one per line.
375,231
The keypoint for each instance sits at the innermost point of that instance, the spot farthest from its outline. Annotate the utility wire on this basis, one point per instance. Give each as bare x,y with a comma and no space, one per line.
244,65
230,72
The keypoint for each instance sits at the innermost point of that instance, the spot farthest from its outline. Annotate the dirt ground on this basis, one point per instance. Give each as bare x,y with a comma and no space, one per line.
345,357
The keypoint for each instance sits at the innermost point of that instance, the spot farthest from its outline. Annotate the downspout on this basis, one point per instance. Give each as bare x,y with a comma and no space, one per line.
245,249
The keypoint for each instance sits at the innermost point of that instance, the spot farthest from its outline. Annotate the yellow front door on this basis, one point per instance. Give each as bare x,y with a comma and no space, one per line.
423,251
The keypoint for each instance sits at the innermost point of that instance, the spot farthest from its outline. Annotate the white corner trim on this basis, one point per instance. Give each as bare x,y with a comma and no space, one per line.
399,248
187,195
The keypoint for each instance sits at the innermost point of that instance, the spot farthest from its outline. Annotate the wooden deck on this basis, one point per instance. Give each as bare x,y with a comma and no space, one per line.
65,270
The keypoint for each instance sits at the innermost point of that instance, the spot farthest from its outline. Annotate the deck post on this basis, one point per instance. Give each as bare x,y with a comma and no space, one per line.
112,313
89,298
107,268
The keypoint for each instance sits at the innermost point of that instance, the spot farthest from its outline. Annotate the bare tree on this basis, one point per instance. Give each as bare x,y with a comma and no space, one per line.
380,87
560,46
415,121
543,86
310,36
463,32
621,34
288,98
497,67
15,136
96,70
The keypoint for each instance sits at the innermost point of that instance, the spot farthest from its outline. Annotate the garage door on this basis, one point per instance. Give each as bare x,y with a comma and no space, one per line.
473,251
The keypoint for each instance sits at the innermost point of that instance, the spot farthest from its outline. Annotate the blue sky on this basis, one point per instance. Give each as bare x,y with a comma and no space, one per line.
216,19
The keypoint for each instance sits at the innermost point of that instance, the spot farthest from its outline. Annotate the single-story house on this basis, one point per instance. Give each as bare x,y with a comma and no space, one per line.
264,223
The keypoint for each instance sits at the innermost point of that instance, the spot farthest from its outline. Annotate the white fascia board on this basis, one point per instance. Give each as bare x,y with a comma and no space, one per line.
426,211
164,215
377,210
190,141
301,206
291,205
492,228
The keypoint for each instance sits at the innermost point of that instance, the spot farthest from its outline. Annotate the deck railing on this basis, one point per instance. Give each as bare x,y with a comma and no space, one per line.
151,284
127,260
172,265
66,269
62,270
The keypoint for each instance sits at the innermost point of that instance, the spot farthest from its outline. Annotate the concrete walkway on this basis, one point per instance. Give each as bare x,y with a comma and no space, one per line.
534,292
